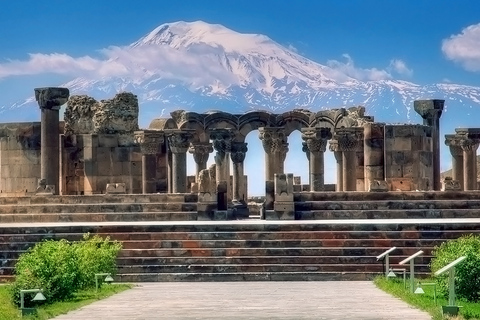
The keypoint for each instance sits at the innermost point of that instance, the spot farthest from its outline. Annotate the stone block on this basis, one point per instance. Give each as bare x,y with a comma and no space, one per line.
360,185
135,167
297,188
378,186
135,155
297,180
121,154
283,187
115,188
400,184
402,144
222,215
107,141
394,171
451,185
410,171
104,168
88,140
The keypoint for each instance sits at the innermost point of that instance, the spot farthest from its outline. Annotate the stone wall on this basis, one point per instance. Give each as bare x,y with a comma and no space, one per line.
408,157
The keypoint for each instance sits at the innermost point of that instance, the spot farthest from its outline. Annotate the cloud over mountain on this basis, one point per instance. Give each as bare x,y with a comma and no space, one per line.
464,48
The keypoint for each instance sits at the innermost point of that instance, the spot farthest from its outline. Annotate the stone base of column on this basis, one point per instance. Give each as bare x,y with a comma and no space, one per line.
206,206
282,211
240,210
269,195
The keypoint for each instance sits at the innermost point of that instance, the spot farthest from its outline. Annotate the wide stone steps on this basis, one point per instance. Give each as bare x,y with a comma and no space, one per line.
387,205
387,214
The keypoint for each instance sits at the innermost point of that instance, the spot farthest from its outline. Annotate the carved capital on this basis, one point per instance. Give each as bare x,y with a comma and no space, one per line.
349,139
200,151
274,139
453,141
179,140
222,140
429,109
469,138
238,151
51,98
316,138
149,141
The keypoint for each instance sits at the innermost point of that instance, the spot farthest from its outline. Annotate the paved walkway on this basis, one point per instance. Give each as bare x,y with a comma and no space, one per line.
250,300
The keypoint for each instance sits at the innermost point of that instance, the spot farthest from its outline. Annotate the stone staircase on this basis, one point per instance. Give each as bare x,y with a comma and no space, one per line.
353,228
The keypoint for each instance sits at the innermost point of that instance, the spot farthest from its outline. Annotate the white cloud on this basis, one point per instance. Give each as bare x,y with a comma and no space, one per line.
348,68
138,63
464,48
400,67
292,48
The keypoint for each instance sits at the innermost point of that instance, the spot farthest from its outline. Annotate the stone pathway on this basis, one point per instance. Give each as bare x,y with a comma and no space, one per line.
250,300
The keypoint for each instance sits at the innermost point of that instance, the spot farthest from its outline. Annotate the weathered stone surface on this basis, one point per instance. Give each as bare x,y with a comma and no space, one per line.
451,185
379,186
115,188
79,114
51,97
117,115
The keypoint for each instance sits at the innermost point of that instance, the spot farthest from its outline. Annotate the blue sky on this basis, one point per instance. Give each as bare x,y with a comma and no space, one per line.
362,36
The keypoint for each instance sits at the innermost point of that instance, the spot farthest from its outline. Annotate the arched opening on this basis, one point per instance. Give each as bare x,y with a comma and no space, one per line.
254,165
296,161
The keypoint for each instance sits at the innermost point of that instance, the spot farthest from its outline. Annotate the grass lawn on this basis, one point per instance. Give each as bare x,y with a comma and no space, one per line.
425,301
8,311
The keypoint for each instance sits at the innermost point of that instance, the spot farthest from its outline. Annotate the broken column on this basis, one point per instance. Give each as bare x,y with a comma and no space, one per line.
178,142
274,141
469,141
316,143
50,100
200,151
284,206
333,146
431,111
350,141
453,141
150,145
238,152
373,154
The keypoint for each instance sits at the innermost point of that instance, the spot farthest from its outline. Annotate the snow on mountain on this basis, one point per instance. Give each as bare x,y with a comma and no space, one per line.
199,66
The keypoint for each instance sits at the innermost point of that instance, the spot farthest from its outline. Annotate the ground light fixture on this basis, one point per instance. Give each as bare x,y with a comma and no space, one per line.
419,289
452,308
392,274
38,297
411,259
386,257
108,279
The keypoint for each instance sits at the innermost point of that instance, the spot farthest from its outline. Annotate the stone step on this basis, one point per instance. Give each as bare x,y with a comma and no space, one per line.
235,268
98,208
98,217
246,276
387,214
386,196
387,205
229,252
101,198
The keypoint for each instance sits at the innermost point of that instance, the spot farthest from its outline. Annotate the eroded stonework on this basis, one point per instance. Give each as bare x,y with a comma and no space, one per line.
79,114
117,115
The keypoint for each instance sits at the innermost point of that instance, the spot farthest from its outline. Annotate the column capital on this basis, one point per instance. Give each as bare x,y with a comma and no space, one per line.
179,139
238,151
349,139
306,150
149,140
316,138
469,138
429,109
51,98
222,139
200,151
454,141
274,139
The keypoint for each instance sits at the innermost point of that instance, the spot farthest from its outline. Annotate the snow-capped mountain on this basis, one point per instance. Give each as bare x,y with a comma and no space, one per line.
199,66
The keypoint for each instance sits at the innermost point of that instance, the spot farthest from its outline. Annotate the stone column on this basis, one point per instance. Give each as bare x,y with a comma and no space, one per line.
316,140
469,141
339,159
201,152
373,149
275,144
222,143
453,141
50,100
431,111
349,142
178,142
150,145
238,152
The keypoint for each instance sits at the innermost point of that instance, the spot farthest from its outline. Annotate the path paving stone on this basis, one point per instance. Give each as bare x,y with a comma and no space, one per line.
250,300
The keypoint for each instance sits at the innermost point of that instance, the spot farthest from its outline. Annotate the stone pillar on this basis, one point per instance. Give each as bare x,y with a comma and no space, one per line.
431,111
201,152
349,142
339,159
469,141
275,144
454,143
238,152
373,150
178,142
50,100
150,145
222,143
316,142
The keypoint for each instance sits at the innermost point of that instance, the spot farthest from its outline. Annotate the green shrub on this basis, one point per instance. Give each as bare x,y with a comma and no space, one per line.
467,273
61,268
95,255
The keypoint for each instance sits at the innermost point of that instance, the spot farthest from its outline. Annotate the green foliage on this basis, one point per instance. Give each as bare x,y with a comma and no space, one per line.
61,268
467,273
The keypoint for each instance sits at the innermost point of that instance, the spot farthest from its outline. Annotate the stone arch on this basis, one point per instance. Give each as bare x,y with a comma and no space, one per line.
251,121
220,120
162,124
294,120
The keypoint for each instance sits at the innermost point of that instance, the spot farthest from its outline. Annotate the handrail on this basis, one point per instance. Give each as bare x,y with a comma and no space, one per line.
450,265
386,252
413,256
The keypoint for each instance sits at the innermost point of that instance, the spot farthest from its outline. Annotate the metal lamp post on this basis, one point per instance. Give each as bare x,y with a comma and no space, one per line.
452,308
108,278
38,297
